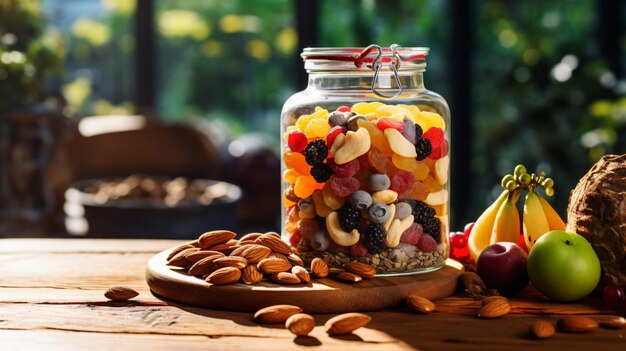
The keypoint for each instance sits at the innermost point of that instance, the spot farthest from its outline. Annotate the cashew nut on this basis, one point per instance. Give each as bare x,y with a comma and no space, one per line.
437,198
339,140
399,144
355,144
398,226
392,213
339,236
384,197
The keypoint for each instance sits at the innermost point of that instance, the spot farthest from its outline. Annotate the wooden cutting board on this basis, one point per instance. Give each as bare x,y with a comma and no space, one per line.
321,296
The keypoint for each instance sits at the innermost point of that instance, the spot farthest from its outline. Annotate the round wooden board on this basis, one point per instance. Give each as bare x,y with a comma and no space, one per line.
321,296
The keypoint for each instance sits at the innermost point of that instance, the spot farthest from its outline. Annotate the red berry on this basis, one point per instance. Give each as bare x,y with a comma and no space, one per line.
345,170
458,240
614,297
384,123
295,238
343,186
365,163
439,152
297,141
330,138
435,135
468,229
413,234
358,249
343,109
427,244
401,181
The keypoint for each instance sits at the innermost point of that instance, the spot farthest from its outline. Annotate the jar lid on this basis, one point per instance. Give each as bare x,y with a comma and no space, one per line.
350,58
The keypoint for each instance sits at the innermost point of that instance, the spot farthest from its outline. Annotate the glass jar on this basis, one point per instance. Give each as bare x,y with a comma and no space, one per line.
365,161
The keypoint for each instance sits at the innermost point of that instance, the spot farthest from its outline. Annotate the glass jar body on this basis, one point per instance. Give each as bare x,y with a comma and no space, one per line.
366,178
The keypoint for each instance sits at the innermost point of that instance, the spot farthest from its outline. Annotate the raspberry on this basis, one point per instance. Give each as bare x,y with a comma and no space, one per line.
427,244
412,235
295,238
435,135
349,217
345,170
384,123
424,148
418,131
316,152
358,250
401,181
321,172
332,135
343,109
375,238
364,162
344,186
439,152
296,140
432,226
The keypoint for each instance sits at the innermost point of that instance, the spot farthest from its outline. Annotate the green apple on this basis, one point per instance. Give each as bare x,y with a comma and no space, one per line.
563,266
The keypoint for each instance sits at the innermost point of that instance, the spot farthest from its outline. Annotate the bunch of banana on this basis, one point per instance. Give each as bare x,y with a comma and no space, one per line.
501,221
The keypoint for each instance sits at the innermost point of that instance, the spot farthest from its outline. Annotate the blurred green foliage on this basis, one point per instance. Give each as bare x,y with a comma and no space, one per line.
29,54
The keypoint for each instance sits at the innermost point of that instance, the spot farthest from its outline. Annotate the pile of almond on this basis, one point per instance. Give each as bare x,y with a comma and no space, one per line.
220,259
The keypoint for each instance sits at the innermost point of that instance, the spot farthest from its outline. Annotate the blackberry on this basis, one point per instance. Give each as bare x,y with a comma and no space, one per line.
420,211
321,172
375,238
432,226
418,131
349,217
423,147
316,152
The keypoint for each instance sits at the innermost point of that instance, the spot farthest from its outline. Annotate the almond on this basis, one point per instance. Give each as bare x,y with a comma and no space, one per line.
319,268
300,324
254,253
179,259
273,234
274,243
273,265
613,322
238,251
215,237
301,273
542,329
488,299
251,275
231,261
346,323
223,276
285,278
420,304
202,254
494,309
120,293
279,255
178,249
295,259
359,268
205,265
225,248
250,237
276,314
349,277
576,324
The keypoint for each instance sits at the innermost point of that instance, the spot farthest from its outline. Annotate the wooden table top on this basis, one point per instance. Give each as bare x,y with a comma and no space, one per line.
51,297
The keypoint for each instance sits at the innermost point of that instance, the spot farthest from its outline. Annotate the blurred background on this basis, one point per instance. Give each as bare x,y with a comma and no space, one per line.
114,113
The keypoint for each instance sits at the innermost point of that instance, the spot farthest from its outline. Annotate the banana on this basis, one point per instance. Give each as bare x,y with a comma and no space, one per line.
507,225
480,235
535,221
554,220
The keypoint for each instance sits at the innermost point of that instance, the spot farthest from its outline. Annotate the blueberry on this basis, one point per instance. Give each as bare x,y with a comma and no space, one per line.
409,131
337,118
379,182
352,122
379,213
403,210
361,199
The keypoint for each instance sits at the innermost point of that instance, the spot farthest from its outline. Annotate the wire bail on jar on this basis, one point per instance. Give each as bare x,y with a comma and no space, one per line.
394,64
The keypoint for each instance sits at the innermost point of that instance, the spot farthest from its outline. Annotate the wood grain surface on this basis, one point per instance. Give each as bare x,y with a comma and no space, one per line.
51,298
321,296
